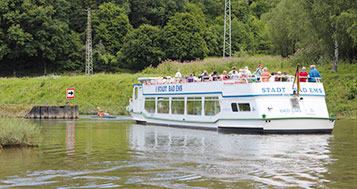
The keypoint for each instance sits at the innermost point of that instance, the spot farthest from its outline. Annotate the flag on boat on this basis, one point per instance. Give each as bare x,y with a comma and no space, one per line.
297,80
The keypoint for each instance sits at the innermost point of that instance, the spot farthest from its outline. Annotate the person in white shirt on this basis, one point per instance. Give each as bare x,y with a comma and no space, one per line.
178,74
241,72
247,72
234,69
234,74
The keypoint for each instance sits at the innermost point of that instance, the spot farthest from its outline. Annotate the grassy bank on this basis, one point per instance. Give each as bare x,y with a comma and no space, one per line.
109,91
112,91
18,132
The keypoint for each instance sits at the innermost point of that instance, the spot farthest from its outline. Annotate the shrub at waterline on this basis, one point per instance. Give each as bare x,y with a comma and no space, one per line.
18,132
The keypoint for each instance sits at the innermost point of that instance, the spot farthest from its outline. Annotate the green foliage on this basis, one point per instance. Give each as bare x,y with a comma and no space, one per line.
39,37
141,48
154,12
315,26
18,132
182,38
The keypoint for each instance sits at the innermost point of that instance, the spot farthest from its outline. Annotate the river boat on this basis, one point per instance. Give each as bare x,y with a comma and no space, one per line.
233,105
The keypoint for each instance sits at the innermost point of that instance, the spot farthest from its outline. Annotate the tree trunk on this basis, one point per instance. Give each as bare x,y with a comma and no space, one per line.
44,68
335,61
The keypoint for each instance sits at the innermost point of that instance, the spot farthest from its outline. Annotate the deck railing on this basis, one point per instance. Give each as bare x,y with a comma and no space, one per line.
263,79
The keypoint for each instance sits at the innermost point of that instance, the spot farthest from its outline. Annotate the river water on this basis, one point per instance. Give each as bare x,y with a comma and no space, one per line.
104,154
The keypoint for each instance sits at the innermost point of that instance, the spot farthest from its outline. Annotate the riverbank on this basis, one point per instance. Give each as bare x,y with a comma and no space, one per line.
18,132
112,92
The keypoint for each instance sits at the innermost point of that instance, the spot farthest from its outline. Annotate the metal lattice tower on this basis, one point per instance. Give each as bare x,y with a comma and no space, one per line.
227,43
89,53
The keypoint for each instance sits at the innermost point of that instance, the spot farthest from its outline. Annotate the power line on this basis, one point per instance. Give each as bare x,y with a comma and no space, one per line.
227,43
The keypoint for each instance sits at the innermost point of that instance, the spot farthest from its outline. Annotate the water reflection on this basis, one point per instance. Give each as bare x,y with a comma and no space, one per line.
70,138
103,154
275,160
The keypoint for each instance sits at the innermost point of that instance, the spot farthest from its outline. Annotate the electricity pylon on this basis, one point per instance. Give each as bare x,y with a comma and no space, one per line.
227,43
89,53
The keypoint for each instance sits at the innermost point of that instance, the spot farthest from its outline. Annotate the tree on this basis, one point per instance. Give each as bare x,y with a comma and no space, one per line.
154,12
111,25
182,38
36,35
141,48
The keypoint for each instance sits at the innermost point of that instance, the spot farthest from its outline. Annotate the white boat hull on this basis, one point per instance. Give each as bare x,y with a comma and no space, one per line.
303,125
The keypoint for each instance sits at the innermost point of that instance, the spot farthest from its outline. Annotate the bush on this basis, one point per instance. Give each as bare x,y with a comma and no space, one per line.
18,132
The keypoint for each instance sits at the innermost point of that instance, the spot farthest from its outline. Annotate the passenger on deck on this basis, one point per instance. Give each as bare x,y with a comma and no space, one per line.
224,75
258,72
241,72
285,77
303,75
243,79
247,72
234,75
214,76
205,76
233,69
252,79
265,75
178,76
191,78
278,77
314,75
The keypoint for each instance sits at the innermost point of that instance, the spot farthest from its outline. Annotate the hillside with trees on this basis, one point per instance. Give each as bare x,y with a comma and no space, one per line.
40,37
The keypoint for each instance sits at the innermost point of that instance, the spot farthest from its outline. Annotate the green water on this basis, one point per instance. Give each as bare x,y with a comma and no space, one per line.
105,154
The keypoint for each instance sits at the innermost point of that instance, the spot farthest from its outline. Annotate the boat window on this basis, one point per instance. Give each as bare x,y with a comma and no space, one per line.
212,106
244,107
234,107
163,104
194,105
150,105
178,105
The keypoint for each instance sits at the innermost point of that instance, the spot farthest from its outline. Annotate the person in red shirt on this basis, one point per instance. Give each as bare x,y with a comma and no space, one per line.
303,75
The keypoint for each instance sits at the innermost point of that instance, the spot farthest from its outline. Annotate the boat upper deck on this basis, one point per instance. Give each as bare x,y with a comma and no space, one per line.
227,88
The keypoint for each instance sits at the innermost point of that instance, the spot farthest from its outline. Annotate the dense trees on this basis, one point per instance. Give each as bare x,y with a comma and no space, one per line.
45,36
319,30
141,48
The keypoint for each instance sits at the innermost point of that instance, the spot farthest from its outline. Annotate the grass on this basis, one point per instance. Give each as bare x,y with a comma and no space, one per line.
111,92
18,132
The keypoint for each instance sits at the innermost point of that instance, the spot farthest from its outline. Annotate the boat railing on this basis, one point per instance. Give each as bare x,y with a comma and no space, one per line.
239,80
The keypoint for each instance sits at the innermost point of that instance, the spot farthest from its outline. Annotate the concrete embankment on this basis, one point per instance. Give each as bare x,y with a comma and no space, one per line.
53,112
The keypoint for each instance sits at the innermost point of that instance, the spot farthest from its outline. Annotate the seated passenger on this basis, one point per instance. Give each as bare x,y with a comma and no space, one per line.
303,75
278,77
247,72
252,79
243,79
214,76
265,75
241,72
314,75
233,69
285,77
234,75
205,76
190,78
224,76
